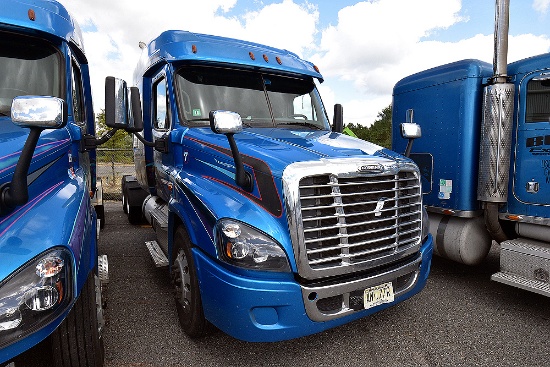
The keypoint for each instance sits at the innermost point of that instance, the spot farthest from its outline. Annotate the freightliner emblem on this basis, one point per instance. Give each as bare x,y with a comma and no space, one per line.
379,207
371,168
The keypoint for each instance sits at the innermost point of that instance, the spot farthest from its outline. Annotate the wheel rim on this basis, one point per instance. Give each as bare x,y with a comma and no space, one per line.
99,306
182,281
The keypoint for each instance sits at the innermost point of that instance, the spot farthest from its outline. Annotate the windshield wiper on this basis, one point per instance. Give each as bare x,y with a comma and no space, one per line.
301,123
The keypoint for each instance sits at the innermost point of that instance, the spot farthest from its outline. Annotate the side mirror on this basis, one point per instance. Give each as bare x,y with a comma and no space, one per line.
39,111
122,106
225,122
230,123
338,119
410,130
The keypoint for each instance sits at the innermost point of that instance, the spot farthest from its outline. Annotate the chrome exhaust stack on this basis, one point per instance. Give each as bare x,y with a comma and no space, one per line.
496,128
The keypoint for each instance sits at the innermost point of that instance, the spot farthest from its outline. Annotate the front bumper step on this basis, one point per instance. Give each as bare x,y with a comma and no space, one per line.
525,264
157,254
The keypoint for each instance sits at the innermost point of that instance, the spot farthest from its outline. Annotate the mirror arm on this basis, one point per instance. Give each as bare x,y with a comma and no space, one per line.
242,178
89,142
16,192
145,142
106,137
409,148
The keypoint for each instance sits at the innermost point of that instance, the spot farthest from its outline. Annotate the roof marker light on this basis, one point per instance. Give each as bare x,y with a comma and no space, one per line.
279,60
194,49
316,68
252,56
266,58
31,14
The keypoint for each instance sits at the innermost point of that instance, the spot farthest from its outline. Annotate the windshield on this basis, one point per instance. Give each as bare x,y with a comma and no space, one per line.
260,100
28,66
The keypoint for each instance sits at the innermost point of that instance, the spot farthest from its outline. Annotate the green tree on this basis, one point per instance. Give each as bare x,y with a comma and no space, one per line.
121,139
379,132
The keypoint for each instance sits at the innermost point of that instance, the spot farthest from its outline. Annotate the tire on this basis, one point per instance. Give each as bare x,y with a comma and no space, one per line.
77,342
134,214
186,288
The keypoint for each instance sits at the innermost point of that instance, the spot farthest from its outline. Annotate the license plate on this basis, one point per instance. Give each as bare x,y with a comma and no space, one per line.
377,295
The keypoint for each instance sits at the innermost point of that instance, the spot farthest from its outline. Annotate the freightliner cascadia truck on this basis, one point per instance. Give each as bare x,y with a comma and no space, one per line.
485,158
49,265
273,225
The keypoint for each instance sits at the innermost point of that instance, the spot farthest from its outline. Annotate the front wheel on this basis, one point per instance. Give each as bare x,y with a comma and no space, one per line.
186,288
77,342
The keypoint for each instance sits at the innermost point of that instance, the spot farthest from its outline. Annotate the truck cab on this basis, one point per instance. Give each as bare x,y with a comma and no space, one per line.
274,225
448,103
50,268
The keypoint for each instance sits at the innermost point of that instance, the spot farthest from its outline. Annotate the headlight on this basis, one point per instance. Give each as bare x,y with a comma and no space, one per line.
425,224
241,245
34,295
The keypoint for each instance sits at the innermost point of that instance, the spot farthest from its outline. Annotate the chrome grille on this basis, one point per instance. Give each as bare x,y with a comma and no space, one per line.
346,221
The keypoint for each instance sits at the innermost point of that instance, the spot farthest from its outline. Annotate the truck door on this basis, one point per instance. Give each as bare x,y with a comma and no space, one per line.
79,114
532,158
162,121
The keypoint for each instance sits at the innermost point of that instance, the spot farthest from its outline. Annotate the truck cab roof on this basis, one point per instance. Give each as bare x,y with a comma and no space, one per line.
181,46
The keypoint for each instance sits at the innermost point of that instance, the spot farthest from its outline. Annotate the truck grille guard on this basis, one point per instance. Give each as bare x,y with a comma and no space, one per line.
345,218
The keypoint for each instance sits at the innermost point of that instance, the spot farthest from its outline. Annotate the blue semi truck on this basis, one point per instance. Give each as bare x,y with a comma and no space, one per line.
273,224
50,270
485,158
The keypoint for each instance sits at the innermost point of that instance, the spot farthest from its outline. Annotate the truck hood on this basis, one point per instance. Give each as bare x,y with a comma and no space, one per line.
280,147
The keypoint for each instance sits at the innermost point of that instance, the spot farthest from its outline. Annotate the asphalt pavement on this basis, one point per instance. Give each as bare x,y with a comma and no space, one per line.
461,318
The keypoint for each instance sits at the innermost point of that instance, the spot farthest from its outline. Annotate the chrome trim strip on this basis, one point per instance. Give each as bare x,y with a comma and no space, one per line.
525,219
455,213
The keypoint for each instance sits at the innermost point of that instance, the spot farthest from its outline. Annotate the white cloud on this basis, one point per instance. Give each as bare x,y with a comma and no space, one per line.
377,43
541,5
115,29
373,44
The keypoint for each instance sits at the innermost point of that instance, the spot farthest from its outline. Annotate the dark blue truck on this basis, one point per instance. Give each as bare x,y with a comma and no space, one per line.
273,224
50,269
485,158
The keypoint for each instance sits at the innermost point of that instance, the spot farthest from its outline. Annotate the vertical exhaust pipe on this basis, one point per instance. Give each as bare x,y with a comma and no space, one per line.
496,128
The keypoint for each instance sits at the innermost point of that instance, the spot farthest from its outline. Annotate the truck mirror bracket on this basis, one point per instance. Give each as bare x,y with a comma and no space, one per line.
16,192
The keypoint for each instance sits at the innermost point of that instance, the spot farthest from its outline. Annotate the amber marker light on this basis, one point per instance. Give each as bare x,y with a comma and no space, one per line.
448,212
514,217
316,68
252,56
279,60
194,49
266,58
31,14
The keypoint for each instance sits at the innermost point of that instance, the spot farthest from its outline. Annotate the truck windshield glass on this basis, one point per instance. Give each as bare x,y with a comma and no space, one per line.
260,100
28,66
538,100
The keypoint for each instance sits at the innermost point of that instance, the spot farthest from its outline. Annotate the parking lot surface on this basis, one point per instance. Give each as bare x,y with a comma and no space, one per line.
461,318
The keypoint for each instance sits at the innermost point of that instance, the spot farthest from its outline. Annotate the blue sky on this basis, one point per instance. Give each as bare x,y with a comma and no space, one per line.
362,47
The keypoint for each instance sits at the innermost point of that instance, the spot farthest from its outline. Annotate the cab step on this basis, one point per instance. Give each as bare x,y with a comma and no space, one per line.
525,264
157,254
